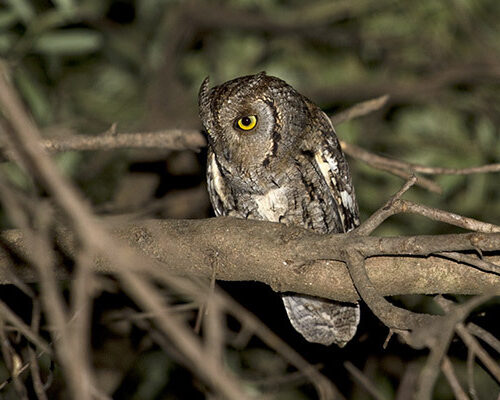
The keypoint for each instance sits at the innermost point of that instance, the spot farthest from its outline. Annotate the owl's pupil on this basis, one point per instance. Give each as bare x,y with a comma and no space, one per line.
246,121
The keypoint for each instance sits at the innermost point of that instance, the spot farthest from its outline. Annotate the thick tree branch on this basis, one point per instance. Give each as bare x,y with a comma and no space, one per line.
290,258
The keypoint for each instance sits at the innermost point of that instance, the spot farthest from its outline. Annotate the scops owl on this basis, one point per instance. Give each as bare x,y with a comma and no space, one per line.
273,155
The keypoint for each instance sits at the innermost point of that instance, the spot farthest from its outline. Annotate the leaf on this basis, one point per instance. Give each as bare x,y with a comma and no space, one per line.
8,18
64,4
68,42
34,95
24,9
68,162
16,175
6,42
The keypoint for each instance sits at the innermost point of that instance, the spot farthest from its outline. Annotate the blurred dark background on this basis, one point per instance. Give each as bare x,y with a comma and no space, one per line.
81,66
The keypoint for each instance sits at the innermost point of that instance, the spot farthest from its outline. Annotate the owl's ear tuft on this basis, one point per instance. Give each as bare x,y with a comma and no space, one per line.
261,74
204,101
203,94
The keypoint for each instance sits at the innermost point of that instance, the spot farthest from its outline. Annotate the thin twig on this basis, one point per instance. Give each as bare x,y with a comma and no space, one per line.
171,139
128,313
396,206
38,385
382,163
77,370
364,381
214,320
422,169
7,314
406,387
449,373
379,216
207,367
490,364
438,337
203,309
470,374
448,217
484,335
361,109
375,159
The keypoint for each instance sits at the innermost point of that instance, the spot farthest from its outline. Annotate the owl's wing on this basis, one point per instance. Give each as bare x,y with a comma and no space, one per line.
333,168
321,320
220,195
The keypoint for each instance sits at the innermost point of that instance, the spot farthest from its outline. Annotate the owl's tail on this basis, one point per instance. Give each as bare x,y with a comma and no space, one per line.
321,320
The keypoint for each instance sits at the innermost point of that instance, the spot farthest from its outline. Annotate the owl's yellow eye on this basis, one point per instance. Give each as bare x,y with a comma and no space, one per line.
247,123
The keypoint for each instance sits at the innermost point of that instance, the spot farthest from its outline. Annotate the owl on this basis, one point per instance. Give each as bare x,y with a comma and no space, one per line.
273,155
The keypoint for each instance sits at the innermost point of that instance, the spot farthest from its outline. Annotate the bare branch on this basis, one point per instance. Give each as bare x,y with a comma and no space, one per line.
447,217
422,169
396,205
378,161
172,139
379,216
408,382
470,374
364,381
392,316
449,373
438,337
35,373
207,367
8,315
484,335
359,110
325,388
289,258
385,164
490,364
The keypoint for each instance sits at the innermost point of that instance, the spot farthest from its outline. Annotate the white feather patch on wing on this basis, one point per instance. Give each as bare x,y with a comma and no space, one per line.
217,184
273,204
347,201
325,168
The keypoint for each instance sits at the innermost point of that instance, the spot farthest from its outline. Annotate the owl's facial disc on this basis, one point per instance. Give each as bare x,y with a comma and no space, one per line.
241,129
244,121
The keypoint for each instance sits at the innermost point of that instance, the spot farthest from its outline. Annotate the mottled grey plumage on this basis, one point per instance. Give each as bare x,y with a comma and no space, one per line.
273,155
